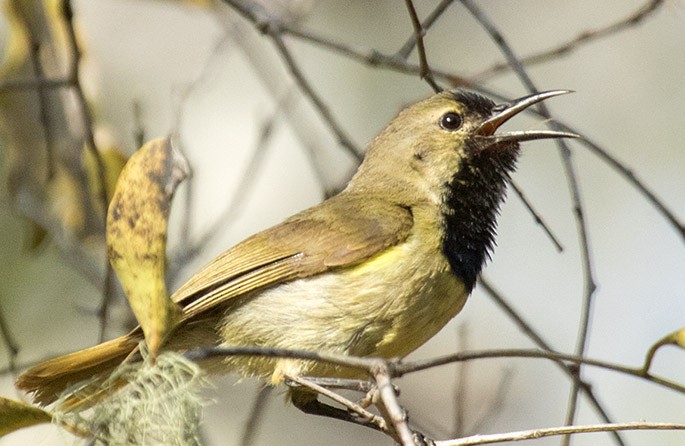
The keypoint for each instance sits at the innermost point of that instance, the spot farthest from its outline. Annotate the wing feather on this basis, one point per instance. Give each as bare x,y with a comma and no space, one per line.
339,232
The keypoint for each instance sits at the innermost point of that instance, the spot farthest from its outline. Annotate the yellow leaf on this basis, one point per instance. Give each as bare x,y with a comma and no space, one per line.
15,415
675,338
679,337
136,235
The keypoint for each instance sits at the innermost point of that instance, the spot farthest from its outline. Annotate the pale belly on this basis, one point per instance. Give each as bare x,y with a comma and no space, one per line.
387,306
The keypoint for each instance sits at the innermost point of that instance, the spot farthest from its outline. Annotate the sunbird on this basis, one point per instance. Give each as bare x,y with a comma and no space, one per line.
375,270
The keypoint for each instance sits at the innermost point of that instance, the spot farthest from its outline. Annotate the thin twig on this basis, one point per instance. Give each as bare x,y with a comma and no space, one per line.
571,371
676,338
138,127
184,246
461,396
103,308
410,44
462,405
255,416
584,37
571,177
398,368
294,114
536,216
355,362
383,370
496,404
350,405
33,84
419,32
630,176
307,89
609,159
39,73
273,28
376,59
401,369
240,194
396,415
367,56
87,119
534,434
12,346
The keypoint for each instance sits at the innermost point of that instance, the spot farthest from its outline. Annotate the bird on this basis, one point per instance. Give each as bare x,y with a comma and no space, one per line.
376,270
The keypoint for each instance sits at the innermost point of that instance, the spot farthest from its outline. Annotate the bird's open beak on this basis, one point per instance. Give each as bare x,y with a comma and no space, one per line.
503,112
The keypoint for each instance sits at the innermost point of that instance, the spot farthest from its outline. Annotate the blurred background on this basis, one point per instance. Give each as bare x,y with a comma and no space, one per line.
260,151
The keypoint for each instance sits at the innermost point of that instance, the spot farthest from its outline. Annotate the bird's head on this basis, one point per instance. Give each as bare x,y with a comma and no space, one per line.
444,153
431,141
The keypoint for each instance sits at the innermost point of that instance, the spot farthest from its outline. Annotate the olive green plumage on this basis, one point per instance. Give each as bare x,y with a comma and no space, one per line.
376,270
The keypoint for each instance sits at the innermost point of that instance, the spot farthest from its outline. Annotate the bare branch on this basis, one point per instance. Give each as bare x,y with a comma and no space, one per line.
75,53
356,362
676,338
323,109
33,84
536,216
630,176
497,402
42,105
12,346
409,45
571,371
394,413
273,27
398,368
609,159
255,417
138,127
571,177
371,57
374,420
190,250
461,400
87,119
375,58
555,431
583,38
401,369
419,32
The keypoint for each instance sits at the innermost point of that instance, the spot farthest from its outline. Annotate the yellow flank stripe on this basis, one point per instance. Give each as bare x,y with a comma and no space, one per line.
387,258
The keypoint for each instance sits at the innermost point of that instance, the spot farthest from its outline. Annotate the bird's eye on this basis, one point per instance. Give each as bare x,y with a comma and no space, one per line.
451,121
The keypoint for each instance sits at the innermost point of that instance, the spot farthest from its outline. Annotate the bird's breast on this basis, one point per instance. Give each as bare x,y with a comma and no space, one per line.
420,294
387,305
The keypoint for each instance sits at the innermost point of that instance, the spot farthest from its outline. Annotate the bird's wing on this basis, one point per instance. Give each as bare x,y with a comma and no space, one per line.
339,232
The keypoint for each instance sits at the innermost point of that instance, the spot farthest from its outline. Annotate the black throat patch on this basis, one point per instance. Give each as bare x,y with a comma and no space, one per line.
470,208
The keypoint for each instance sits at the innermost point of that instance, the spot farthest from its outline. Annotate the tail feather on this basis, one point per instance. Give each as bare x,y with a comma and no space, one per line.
48,380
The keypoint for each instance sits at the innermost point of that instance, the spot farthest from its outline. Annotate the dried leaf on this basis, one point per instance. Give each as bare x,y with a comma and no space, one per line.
136,235
15,415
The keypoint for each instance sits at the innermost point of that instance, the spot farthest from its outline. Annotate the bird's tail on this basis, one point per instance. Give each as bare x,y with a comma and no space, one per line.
48,380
